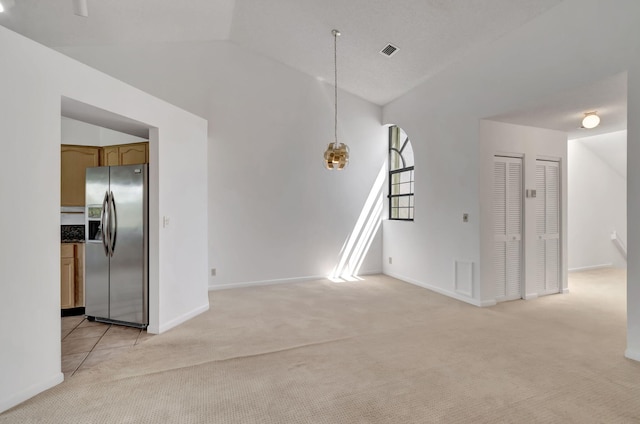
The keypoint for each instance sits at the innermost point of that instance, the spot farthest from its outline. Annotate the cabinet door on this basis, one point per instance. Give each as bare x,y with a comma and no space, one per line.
67,250
79,274
67,280
133,154
110,156
74,161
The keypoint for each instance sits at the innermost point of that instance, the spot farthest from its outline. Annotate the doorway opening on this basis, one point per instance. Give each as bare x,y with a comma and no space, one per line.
581,221
90,137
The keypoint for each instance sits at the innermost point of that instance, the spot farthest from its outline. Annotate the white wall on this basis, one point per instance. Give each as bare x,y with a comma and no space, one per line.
597,201
33,80
83,134
531,144
441,116
275,214
424,251
633,209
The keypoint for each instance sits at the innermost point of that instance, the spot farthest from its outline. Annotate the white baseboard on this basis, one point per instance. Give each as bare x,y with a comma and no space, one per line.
590,267
177,321
292,280
634,355
30,392
266,282
565,291
530,296
371,272
442,291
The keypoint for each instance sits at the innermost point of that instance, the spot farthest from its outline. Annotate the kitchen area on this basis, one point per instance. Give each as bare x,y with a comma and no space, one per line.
103,249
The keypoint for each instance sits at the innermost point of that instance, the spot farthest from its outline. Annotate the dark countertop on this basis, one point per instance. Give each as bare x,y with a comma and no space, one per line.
72,233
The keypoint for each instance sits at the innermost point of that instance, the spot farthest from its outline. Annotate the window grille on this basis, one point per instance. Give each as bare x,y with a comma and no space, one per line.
401,176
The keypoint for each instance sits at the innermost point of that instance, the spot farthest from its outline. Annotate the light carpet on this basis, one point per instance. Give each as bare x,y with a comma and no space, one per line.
372,351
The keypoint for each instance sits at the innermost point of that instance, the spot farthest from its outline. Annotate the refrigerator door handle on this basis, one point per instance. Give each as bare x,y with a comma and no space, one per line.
105,230
115,223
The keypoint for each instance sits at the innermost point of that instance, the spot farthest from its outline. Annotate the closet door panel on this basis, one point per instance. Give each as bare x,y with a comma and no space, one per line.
507,208
548,227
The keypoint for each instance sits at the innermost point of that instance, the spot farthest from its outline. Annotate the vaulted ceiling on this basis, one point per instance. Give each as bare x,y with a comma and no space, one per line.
430,34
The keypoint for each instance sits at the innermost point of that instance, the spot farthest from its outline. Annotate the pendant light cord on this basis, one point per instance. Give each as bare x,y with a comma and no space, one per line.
336,33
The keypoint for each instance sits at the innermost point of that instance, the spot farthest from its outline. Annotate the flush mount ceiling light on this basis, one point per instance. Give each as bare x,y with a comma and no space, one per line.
6,5
590,120
337,154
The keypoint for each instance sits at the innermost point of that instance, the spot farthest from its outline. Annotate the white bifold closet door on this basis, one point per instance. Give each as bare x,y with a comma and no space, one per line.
548,227
507,210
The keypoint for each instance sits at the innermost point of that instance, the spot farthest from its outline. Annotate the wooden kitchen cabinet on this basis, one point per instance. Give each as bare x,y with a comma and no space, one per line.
133,154
79,274
74,161
71,275
67,276
125,154
110,156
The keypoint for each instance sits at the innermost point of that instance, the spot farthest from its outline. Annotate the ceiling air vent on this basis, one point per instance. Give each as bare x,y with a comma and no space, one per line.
389,50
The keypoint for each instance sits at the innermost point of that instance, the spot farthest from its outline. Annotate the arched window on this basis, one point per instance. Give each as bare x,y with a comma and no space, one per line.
400,175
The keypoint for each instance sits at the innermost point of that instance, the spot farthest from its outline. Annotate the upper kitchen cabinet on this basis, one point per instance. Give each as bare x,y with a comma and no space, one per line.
110,156
125,154
74,161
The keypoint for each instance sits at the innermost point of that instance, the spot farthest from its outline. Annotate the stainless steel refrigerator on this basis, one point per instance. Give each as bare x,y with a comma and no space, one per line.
116,253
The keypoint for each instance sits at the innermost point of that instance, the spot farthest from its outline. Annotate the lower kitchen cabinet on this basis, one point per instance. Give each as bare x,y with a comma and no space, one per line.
71,275
67,283
79,286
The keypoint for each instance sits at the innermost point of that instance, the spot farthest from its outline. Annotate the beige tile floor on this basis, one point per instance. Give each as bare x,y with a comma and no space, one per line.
86,343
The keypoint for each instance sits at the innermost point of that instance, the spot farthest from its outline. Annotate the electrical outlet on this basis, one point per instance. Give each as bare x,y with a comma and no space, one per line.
390,260
165,221
465,217
213,272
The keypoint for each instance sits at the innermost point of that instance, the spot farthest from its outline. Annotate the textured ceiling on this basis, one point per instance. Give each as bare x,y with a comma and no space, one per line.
52,22
430,33
564,111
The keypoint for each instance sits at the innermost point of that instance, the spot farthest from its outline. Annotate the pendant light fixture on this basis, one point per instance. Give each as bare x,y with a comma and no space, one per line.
337,154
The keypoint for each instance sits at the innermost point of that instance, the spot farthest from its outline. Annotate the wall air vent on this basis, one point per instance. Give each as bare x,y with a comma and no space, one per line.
389,50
